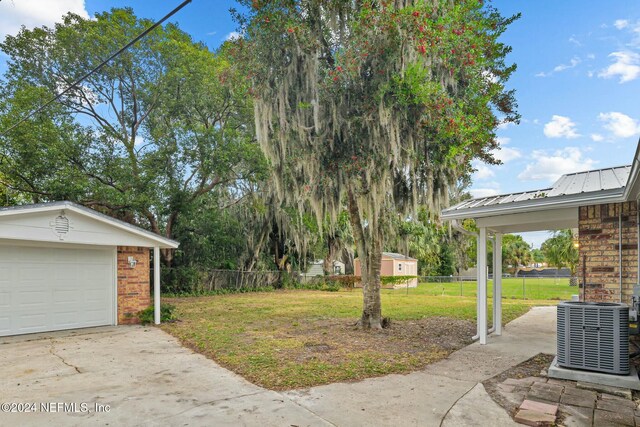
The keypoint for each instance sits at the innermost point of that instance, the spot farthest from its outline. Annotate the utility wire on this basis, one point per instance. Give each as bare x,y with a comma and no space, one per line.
102,64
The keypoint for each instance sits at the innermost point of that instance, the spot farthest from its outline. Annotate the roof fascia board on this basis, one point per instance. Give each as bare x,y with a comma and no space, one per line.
633,174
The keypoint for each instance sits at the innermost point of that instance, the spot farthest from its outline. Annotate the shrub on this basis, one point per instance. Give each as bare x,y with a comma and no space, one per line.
346,281
180,280
288,281
218,292
166,314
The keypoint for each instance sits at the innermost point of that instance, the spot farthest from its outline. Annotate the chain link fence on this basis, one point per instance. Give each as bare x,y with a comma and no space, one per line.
182,281
195,281
544,288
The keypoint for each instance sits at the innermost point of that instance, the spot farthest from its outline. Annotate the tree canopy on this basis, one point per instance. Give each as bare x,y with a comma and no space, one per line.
561,250
157,129
378,105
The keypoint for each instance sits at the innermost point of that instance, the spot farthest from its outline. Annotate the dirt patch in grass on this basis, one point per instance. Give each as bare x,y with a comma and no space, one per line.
325,339
282,354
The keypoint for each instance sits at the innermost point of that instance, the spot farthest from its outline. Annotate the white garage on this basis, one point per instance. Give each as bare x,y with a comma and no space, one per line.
64,266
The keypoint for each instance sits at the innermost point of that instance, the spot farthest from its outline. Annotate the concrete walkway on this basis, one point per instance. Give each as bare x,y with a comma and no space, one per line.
446,393
147,378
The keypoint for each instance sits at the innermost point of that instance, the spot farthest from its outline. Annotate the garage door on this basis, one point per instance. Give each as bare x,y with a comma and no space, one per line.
49,289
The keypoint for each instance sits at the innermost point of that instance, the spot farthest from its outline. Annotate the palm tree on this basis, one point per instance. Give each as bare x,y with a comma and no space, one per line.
562,251
516,252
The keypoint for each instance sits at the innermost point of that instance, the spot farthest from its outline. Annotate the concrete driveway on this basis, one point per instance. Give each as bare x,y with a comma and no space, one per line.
143,374
145,377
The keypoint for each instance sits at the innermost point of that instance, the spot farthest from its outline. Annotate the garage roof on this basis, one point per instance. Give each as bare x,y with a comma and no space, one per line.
151,238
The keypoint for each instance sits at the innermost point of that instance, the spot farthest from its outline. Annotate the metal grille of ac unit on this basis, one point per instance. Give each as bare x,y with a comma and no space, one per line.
594,336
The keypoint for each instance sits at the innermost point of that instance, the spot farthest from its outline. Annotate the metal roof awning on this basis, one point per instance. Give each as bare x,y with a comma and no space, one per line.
550,208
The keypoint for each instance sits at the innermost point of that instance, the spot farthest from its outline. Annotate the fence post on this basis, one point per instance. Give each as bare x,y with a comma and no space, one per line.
524,287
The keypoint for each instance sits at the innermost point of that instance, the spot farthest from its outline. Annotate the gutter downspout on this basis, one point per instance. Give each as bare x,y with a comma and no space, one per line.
461,229
620,249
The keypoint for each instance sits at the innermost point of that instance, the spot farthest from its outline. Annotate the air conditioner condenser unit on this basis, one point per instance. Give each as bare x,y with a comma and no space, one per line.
594,336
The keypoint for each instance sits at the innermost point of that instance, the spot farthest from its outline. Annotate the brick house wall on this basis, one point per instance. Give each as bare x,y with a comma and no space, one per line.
601,230
134,292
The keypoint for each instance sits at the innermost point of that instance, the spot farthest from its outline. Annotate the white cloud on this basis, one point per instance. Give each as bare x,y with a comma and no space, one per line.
505,125
233,35
620,125
35,13
484,192
626,65
597,137
505,154
482,171
562,67
574,40
560,127
591,56
621,23
572,64
549,166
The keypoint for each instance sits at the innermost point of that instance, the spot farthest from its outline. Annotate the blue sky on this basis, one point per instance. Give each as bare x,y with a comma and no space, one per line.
577,83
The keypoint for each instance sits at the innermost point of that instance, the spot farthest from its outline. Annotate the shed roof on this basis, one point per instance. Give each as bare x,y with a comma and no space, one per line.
395,255
161,241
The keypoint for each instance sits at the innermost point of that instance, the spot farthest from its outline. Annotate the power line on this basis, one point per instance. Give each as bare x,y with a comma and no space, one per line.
102,64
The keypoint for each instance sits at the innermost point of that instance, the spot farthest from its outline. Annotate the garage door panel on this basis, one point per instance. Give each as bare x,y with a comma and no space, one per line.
33,320
30,273
94,317
5,325
5,301
66,297
92,270
31,298
94,296
46,289
62,319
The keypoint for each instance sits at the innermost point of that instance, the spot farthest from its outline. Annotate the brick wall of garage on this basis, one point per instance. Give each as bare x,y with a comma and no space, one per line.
134,292
601,230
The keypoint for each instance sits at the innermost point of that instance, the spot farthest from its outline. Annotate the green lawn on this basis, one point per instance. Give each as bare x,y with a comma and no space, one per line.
512,288
291,339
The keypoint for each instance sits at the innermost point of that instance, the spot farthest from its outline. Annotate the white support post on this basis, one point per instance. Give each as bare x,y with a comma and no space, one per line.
156,285
482,285
493,285
497,284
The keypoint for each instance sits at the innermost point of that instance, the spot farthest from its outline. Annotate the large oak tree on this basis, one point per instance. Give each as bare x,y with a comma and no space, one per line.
377,104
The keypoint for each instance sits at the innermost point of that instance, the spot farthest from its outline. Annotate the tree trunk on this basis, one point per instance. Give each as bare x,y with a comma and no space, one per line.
372,306
370,255
332,253
347,259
